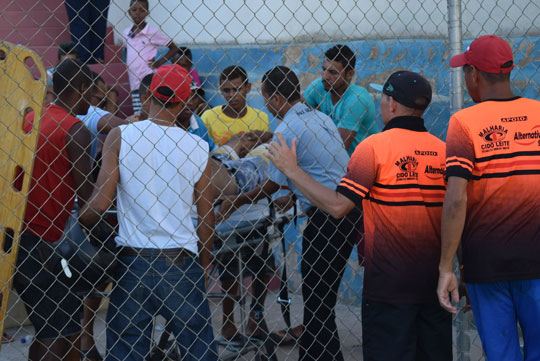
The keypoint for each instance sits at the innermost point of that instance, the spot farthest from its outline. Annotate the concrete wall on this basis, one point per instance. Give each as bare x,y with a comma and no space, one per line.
376,60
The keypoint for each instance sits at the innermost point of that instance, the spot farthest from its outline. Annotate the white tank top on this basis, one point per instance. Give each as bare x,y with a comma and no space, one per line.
159,167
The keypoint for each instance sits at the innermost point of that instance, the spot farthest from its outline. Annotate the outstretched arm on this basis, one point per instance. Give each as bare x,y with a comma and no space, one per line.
107,122
327,199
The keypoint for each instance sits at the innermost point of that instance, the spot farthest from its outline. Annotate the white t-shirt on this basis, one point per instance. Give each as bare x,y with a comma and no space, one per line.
159,167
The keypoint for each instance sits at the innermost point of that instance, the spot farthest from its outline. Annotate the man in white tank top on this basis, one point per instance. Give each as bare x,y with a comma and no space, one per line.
158,172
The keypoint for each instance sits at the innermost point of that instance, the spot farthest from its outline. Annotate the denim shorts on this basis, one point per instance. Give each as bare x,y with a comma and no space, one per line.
249,172
52,308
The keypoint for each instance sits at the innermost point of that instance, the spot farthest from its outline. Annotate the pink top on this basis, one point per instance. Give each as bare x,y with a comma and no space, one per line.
141,49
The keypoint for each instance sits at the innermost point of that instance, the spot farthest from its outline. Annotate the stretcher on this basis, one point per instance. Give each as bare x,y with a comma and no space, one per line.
256,226
23,90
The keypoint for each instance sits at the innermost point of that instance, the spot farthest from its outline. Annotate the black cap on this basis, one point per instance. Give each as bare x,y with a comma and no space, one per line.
407,88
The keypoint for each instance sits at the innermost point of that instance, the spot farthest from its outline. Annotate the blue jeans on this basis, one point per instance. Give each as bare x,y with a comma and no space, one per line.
497,309
148,286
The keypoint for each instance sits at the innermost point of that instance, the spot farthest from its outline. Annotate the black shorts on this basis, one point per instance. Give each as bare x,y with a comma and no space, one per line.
257,259
406,332
54,311
254,265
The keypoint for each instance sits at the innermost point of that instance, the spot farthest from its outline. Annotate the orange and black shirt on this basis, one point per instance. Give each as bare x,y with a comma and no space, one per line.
496,146
398,177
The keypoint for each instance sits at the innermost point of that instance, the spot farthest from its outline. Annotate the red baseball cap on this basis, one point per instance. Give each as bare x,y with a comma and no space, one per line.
171,83
488,53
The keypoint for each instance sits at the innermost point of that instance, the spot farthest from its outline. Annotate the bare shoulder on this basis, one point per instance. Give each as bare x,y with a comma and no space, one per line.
113,139
79,135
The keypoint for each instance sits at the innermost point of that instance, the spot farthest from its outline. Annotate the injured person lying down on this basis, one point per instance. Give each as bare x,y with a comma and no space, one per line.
238,166
241,164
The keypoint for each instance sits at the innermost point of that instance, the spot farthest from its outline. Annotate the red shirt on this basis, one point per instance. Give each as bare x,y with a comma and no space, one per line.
399,176
52,188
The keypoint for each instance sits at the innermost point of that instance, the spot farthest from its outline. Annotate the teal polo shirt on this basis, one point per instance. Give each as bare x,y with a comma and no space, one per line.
354,111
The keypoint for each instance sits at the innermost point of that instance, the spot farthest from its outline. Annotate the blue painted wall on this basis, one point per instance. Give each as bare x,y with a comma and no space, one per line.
376,60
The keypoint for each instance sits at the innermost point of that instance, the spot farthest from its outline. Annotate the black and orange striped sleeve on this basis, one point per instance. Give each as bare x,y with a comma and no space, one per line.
361,173
459,150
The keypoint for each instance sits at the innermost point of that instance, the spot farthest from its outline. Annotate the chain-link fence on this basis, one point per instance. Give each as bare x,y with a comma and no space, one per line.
155,201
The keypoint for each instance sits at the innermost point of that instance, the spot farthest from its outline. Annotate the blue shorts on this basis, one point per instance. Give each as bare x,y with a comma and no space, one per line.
249,172
498,307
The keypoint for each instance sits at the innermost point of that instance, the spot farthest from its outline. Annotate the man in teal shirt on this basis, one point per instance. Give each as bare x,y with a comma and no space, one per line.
349,105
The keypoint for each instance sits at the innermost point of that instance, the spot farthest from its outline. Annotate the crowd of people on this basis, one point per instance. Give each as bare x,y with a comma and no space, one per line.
418,200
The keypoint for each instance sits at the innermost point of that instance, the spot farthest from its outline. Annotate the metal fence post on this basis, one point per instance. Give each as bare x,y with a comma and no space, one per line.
463,344
455,41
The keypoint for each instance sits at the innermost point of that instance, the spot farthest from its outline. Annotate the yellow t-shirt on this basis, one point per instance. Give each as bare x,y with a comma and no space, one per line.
222,127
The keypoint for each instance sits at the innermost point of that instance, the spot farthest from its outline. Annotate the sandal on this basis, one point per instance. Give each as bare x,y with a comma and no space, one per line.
235,343
91,355
256,337
285,337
